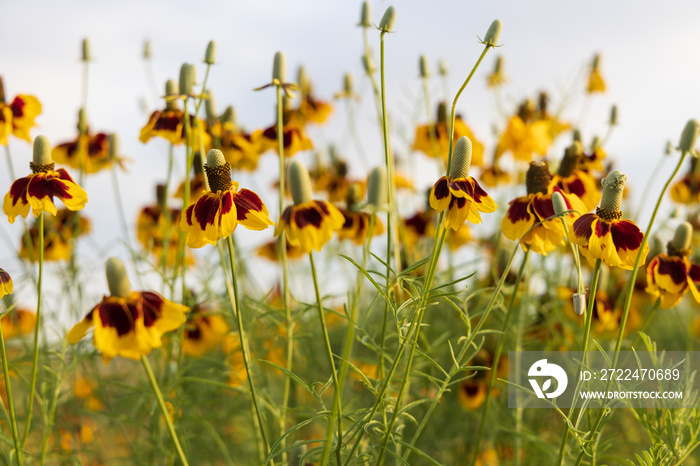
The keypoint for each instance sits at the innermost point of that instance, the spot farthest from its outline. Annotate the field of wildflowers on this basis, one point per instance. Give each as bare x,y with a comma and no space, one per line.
276,301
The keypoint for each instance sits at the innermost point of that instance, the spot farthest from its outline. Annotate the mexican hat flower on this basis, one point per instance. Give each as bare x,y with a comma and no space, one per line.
604,235
357,222
59,233
571,180
687,189
671,275
497,77
423,140
595,82
6,286
17,117
524,212
311,109
128,323
217,213
89,152
308,223
17,322
38,189
204,331
294,139
459,193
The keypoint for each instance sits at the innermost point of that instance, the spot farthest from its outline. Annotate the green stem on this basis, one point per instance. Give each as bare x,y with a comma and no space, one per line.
246,354
282,245
164,409
10,403
181,265
337,407
496,358
35,363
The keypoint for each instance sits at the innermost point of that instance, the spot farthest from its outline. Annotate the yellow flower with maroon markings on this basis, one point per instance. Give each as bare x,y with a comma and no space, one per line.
595,79
571,180
38,189
494,176
217,213
59,231
671,275
203,332
270,251
98,157
308,223
18,116
294,139
423,141
310,109
524,212
687,189
356,226
240,149
603,235
6,286
17,322
128,323
459,193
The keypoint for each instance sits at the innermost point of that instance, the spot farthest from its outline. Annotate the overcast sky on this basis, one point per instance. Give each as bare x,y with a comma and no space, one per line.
648,49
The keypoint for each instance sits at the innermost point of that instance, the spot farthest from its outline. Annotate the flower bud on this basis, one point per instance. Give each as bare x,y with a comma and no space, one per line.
187,78
348,85
613,186
303,81
669,148
229,116
689,136
210,110
299,183
595,144
87,56
493,33
443,69
461,158
559,203
279,68
683,238
571,156
596,61
388,20
577,135
210,55
147,50
42,151
170,95
613,116
113,146
579,303
377,188
424,67
368,63
82,121
364,16
117,279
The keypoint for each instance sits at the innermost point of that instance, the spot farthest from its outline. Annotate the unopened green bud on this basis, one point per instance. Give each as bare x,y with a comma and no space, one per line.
683,238
613,186
493,33
353,196
669,148
364,16
596,143
303,81
117,279
229,115
368,63
170,95
443,68
187,79
113,146
279,68
210,110
613,115
579,303
82,121
461,158
87,56
388,20
424,67
42,151
498,66
299,182
147,50
210,55
689,136
559,203
577,135
377,187
348,84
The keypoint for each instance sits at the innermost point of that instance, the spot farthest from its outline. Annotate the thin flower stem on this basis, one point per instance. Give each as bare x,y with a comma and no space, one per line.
337,407
246,354
181,265
630,290
282,245
496,357
10,402
35,360
164,409
375,87
584,346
